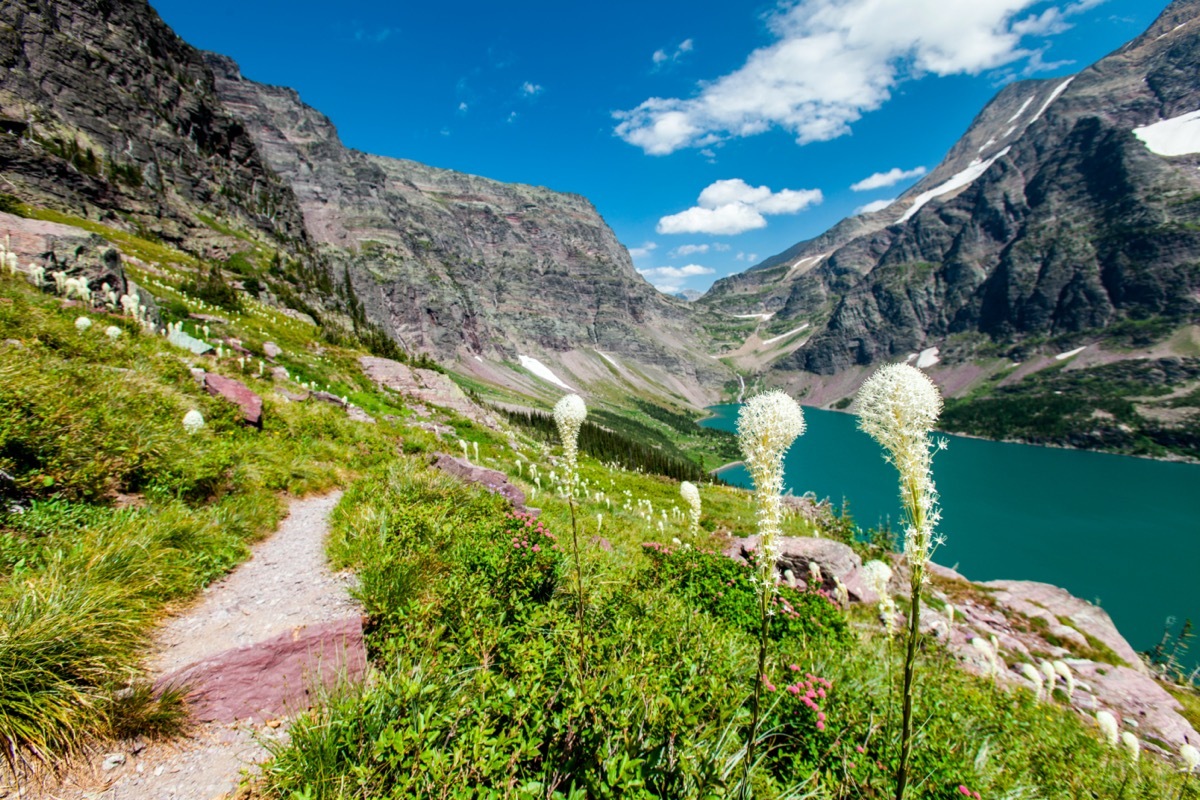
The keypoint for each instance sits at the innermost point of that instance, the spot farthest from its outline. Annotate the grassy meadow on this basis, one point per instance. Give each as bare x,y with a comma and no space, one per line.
485,683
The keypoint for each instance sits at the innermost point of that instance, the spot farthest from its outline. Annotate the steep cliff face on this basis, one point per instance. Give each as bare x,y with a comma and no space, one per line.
1050,217
106,112
463,266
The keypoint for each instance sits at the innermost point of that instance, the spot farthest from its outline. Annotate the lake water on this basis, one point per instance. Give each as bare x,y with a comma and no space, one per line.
1119,531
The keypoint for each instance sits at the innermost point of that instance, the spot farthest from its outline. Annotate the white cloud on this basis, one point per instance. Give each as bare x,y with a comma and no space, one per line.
752,257
462,108
889,178
835,60
688,250
661,57
531,89
690,271
512,117
720,247
873,206
641,252
733,206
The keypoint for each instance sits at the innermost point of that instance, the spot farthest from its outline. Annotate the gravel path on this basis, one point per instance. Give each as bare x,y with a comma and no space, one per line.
286,583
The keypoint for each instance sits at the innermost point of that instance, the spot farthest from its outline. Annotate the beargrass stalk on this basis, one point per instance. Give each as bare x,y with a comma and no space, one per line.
766,427
569,414
898,407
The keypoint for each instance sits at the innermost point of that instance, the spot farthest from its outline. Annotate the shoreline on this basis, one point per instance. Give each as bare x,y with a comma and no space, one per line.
725,467
1172,458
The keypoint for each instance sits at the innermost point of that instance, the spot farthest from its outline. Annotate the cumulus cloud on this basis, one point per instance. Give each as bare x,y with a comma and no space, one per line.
835,60
688,250
890,178
531,89
733,206
746,256
690,271
872,207
641,252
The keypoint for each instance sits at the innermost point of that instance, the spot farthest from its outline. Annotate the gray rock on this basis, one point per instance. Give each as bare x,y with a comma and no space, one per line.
272,350
358,415
237,393
796,553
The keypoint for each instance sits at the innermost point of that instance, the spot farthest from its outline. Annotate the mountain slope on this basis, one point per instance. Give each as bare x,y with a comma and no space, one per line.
1049,218
108,114
472,269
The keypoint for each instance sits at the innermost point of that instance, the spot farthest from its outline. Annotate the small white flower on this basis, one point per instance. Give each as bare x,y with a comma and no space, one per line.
1108,727
1065,672
82,324
193,421
112,332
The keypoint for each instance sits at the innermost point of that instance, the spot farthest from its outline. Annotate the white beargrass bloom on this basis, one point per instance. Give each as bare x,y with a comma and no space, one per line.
1108,727
1132,745
1065,672
193,421
691,496
767,425
112,332
898,406
1049,675
569,414
1190,757
988,652
814,574
877,574
1033,675
82,324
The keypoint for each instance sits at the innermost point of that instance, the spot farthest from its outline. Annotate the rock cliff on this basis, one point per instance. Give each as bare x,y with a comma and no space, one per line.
107,114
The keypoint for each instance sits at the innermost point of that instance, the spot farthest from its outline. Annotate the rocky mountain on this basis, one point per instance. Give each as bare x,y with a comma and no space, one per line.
1069,213
105,113
491,274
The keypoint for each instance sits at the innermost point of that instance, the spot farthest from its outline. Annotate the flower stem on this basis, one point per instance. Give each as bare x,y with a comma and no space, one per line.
579,611
760,676
910,657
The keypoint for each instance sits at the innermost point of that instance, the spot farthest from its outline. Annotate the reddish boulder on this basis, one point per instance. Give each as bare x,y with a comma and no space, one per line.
275,678
492,480
237,393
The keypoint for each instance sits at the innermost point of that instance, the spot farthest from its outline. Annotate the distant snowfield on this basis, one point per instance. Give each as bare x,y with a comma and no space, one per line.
1062,87
775,339
1069,353
927,358
608,358
964,178
1176,136
763,317
1021,110
542,371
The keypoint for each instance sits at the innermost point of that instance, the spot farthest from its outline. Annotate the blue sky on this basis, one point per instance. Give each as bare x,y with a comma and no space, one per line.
709,135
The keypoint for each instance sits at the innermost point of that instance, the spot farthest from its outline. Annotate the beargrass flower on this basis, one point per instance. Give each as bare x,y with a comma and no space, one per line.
1108,727
898,407
1034,676
1064,672
82,324
112,332
1132,745
691,496
1190,757
193,421
569,414
766,427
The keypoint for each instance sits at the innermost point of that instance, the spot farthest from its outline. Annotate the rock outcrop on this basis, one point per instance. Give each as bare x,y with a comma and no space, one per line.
239,394
276,678
493,480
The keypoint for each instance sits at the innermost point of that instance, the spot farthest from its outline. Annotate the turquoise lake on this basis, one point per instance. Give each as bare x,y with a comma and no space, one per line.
1121,532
